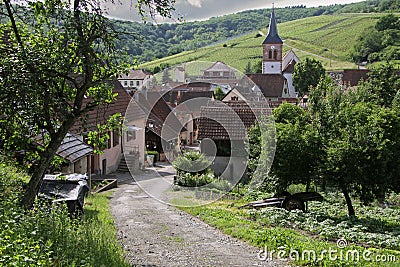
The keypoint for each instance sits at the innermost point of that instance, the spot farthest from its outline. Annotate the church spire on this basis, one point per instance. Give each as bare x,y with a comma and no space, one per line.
273,37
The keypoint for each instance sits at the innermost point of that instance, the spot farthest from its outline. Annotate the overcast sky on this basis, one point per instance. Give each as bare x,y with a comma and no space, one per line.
203,9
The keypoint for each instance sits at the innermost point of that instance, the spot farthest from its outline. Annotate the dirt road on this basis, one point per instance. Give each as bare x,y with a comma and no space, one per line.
155,234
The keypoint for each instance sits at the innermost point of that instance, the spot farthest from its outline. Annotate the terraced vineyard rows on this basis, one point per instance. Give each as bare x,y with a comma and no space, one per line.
327,38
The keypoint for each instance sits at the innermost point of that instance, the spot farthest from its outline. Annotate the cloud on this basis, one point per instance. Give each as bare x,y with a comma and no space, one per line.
195,3
202,9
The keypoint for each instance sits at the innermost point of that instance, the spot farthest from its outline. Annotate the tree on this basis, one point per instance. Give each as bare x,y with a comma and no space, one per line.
389,21
218,93
257,68
369,42
261,147
64,54
360,140
307,74
289,113
380,42
382,86
298,148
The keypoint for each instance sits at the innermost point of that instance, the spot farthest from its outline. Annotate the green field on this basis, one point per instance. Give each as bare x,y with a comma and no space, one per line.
327,38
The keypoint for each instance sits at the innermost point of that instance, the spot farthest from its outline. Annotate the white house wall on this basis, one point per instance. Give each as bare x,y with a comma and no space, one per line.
138,142
113,157
289,78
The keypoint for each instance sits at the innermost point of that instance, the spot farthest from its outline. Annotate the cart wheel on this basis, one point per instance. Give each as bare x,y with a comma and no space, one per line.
292,203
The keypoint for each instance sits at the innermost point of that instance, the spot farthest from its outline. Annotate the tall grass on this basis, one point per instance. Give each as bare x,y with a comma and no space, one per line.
47,236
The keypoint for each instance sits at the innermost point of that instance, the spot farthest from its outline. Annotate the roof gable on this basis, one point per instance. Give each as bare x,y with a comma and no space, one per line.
135,75
219,66
288,59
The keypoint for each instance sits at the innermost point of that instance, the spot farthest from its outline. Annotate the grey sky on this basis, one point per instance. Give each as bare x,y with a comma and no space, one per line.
203,9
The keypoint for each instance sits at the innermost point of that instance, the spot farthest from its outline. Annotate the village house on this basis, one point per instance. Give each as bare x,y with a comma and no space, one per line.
185,92
226,124
163,129
108,161
134,80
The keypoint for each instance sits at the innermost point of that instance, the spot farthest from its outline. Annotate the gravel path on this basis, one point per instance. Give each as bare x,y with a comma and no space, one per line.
155,234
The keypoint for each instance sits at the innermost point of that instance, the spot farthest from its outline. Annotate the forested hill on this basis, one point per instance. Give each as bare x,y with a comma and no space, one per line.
147,42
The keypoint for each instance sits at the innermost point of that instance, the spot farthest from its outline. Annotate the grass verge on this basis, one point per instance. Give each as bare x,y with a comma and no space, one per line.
301,247
47,236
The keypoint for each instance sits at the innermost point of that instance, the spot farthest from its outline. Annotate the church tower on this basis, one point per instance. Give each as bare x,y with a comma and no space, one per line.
272,49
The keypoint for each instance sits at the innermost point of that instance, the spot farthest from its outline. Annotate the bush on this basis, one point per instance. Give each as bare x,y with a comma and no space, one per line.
194,180
192,169
191,162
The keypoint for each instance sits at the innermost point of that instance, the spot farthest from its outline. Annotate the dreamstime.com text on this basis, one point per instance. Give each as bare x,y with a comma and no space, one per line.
338,253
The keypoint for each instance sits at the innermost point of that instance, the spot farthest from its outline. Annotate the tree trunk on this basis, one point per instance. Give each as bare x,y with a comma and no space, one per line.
350,207
40,169
33,186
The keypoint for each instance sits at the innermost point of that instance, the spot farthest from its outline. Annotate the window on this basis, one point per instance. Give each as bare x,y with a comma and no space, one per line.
116,137
131,83
130,135
270,54
137,83
125,83
275,54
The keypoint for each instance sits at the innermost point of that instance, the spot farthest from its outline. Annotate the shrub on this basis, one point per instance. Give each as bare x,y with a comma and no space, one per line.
191,162
192,169
195,180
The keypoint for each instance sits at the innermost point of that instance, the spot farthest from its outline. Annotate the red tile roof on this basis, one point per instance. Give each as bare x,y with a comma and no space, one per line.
353,77
218,119
270,84
135,75
102,113
152,103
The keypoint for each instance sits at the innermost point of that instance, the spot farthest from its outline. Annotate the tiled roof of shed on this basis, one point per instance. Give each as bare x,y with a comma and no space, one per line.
73,149
234,117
